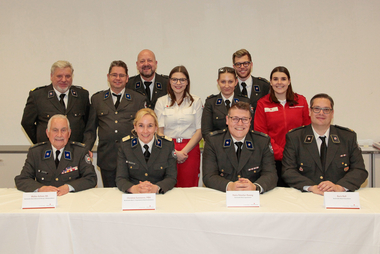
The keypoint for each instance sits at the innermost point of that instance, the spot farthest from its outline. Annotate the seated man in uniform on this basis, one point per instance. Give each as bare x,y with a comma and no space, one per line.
56,165
239,158
322,157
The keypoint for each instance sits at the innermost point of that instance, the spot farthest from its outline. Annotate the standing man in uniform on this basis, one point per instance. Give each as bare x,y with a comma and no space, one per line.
148,82
322,157
249,86
113,111
60,97
57,165
239,158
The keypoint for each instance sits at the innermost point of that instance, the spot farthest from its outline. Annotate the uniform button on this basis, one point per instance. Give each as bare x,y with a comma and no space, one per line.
221,174
115,131
39,170
239,176
116,113
149,105
321,177
222,170
217,117
101,113
116,141
131,116
115,121
56,179
254,171
42,178
161,167
70,178
345,165
257,94
75,114
301,164
342,163
48,115
146,174
130,167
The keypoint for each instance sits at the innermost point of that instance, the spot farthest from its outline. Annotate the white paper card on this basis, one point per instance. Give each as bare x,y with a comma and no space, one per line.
347,200
243,199
37,200
146,201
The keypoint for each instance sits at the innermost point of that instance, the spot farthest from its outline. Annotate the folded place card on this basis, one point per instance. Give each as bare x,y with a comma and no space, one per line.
243,199
341,200
35,200
146,201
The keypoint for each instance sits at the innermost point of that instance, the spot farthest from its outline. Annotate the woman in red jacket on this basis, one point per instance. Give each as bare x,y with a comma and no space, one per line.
280,111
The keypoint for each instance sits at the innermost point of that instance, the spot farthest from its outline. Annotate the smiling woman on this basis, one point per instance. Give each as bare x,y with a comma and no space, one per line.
280,111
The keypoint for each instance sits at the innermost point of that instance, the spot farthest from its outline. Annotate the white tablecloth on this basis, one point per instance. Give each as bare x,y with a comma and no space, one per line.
190,220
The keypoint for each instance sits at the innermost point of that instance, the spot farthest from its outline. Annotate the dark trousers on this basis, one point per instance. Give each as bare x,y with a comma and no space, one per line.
280,181
108,177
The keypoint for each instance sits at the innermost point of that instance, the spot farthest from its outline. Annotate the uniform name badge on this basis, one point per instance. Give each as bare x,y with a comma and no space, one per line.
341,200
143,201
243,199
38,200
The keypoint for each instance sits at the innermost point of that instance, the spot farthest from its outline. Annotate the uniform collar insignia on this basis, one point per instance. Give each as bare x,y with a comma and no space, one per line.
67,155
159,86
158,143
128,96
309,138
219,101
227,143
137,85
51,94
106,95
249,144
257,88
335,138
236,100
47,154
74,93
134,142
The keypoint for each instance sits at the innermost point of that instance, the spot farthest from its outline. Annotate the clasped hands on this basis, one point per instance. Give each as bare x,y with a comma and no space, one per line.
181,156
326,186
61,190
243,184
143,187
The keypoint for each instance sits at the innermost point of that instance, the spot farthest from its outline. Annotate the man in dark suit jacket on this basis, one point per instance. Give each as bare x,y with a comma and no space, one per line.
240,158
322,157
60,97
113,111
58,165
148,82
249,86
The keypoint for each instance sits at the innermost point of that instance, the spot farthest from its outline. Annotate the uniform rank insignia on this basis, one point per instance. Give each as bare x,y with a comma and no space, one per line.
69,169
128,96
236,100
257,88
271,148
249,144
174,154
335,138
343,155
137,85
346,169
159,86
309,138
227,143
87,159
158,143
67,155
134,142
219,101
106,95
51,94
47,154
74,93
301,169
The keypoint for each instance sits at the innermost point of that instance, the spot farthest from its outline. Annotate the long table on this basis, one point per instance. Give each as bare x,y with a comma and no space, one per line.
190,220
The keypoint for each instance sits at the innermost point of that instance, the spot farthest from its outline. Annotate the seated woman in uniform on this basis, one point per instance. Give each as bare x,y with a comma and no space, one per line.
146,162
216,106
280,111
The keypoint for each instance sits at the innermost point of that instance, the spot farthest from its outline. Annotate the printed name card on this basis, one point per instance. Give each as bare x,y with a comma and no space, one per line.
35,200
146,201
341,200
243,199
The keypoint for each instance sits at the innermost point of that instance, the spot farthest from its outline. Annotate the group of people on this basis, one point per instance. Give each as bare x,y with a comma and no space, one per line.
258,134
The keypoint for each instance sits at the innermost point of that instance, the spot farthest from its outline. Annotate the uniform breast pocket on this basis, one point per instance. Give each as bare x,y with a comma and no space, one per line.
43,176
69,176
160,169
189,111
342,164
168,112
225,170
133,166
47,115
78,114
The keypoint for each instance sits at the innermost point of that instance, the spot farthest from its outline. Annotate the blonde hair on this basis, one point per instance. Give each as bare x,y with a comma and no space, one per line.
61,65
143,112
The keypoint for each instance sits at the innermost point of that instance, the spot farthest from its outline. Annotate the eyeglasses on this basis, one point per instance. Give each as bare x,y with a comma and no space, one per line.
181,80
245,64
324,110
227,70
236,119
114,75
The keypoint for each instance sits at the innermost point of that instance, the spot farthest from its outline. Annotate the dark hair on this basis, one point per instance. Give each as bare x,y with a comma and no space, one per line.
181,69
323,96
241,53
241,105
226,70
118,63
291,97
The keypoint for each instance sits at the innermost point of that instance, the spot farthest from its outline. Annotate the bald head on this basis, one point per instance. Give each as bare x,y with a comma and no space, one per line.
146,64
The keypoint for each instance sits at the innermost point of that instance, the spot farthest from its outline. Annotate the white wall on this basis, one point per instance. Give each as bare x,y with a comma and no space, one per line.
328,46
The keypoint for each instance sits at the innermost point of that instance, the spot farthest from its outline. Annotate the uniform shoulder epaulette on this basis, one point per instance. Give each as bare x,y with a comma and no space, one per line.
165,76
298,128
77,143
126,138
213,133
211,96
99,91
344,128
259,133
37,88
263,79
166,138
79,87
38,144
